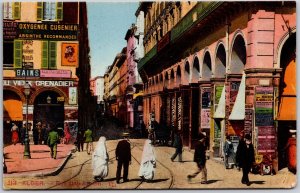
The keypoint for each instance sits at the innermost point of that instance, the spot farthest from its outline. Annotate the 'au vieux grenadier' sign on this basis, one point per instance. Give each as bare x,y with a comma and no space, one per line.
43,83
52,31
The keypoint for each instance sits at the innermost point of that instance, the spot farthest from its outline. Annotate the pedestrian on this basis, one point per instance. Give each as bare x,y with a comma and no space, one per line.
178,145
200,159
88,140
228,151
22,133
46,130
14,134
79,140
100,160
52,141
35,132
67,135
246,158
123,156
241,145
148,163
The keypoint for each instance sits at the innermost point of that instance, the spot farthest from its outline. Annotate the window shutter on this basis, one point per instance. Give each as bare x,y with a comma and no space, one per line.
59,11
39,13
45,55
52,55
17,53
17,10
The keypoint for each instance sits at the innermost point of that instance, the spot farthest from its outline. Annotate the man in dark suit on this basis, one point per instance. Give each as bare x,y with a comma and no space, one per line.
123,156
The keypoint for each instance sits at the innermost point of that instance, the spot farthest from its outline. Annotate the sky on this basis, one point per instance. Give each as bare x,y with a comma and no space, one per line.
107,27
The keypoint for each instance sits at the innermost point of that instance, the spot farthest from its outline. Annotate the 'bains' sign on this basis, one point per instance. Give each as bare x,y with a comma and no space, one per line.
51,31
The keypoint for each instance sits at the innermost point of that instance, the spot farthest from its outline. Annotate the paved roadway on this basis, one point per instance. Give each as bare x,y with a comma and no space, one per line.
77,174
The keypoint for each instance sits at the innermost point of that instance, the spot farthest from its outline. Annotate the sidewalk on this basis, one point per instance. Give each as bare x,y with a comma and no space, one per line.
40,164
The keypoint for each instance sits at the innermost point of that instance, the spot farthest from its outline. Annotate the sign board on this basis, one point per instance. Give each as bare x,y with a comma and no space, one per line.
264,106
9,30
50,31
42,83
69,54
72,95
27,73
55,73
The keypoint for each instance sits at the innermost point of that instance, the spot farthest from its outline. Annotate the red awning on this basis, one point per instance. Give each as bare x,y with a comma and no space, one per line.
12,110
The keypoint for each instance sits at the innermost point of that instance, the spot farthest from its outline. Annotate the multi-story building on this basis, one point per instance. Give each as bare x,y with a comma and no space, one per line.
134,90
116,80
222,68
97,88
41,49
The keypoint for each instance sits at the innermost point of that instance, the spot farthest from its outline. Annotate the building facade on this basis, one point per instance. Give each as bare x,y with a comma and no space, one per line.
222,68
41,48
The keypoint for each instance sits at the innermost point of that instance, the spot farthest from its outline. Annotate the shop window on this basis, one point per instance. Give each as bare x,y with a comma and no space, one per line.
50,11
11,10
49,49
8,54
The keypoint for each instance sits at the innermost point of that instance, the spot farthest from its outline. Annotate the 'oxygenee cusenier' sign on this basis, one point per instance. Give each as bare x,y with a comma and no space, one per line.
51,31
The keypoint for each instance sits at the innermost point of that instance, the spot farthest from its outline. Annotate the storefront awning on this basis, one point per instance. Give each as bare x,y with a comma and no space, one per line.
220,111
238,110
287,109
12,110
137,94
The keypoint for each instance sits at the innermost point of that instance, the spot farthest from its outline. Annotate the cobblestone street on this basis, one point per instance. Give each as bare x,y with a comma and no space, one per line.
77,174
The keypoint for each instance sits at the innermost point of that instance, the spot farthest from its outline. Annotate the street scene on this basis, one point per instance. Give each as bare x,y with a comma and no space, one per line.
149,95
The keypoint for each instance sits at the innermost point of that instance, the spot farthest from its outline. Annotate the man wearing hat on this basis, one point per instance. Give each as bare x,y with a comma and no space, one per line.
200,159
246,158
123,156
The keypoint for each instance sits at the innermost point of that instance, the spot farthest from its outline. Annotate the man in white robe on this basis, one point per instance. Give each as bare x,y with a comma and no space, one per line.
100,160
148,162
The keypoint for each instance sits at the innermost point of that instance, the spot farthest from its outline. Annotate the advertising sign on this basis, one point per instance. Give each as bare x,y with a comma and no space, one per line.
264,106
9,30
28,52
72,95
205,118
55,73
51,31
69,54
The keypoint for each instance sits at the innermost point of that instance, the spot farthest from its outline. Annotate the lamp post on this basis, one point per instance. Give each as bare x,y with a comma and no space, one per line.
26,140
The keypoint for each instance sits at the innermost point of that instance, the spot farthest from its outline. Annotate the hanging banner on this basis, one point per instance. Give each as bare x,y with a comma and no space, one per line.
69,54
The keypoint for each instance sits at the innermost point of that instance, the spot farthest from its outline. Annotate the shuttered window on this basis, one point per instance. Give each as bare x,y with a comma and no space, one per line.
45,55
52,55
18,53
8,10
17,10
49,50
39,11
59,11
50,11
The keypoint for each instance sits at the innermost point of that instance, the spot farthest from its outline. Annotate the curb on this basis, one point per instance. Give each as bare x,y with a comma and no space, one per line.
41,174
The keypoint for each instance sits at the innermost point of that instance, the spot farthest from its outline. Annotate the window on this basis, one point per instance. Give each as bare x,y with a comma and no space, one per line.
18,44
8,53
50,11
11,10
49,49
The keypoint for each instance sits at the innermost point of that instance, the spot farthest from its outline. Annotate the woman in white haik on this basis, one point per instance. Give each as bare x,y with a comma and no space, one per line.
100,160
148,162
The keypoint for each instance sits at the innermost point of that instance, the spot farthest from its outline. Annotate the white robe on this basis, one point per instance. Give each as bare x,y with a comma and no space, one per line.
100,159
148,162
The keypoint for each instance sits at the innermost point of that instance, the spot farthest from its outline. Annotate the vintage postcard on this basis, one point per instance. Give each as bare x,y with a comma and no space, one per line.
149,95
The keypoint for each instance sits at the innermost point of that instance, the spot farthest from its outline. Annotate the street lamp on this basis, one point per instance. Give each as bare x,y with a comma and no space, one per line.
26,140
48,99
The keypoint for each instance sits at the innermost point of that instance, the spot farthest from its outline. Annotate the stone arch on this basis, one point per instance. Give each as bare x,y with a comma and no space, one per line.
206,70
178,76
166,80
280,46
238,54
196,70
43,89
17,91
186,74
219,70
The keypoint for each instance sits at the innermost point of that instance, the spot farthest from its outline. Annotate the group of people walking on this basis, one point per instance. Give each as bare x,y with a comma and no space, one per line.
100,160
